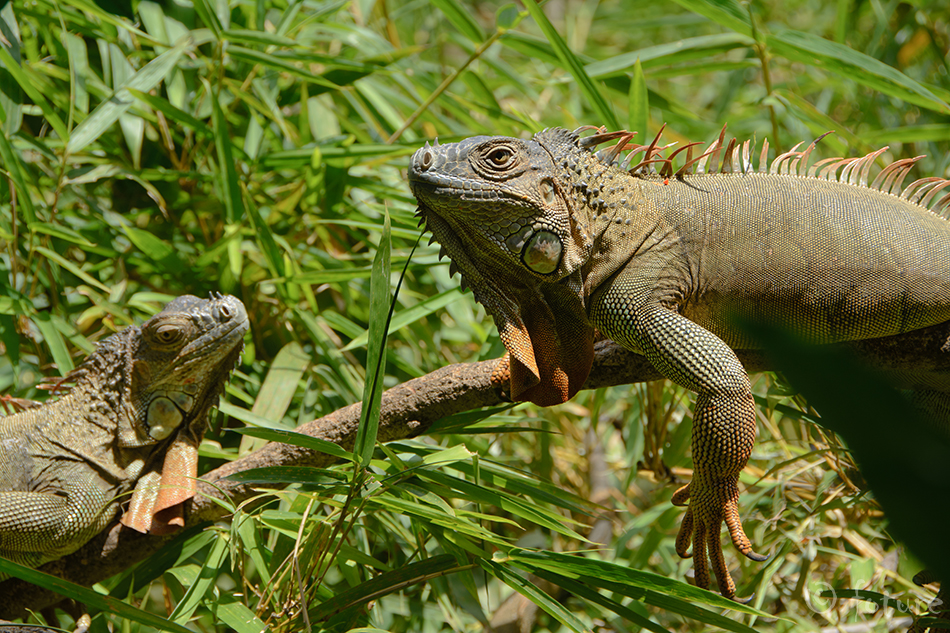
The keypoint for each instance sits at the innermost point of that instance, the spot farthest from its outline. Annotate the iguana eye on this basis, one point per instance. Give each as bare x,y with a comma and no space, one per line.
500,157
168,334
498,160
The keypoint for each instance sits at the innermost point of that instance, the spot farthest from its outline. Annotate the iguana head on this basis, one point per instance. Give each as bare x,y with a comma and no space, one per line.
181,364
503,215
178,363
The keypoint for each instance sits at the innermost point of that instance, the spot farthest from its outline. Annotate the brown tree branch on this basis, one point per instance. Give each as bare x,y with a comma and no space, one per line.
408,410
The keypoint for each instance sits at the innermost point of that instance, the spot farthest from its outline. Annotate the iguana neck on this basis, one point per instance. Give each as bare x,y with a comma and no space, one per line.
101,384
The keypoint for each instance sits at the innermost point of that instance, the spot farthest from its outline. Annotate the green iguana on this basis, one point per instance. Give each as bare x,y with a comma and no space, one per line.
133,418
560,241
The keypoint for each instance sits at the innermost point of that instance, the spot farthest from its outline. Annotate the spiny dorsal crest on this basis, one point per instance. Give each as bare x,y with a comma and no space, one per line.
738,157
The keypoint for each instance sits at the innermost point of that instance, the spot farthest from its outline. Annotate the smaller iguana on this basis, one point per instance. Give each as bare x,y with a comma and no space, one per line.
133,419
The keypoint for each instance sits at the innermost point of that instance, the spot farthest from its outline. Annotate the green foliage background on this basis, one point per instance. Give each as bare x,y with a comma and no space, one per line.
254,147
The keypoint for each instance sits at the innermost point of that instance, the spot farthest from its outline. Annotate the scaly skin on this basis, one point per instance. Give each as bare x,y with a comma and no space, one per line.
557,242
136,413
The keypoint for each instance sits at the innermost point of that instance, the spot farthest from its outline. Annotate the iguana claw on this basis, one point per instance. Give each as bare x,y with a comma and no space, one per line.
710,507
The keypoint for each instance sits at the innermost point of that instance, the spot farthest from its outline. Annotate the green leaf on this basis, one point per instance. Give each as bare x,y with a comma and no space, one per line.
280,63
261,38
89,597
727,13
227,176
533,513
55,342
531,591
661,591
298,439
27,85
61,232
847,62
285,475
236,615
930,132
278,388
413,314
580,590
160,252
11,163
210,19
174,114
73,268
109,111
386,583
573,65
380,313
639,102
688,49
203,583
11,95
461,18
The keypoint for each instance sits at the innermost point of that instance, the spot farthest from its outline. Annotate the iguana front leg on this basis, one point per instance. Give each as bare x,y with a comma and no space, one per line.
723,419
36,527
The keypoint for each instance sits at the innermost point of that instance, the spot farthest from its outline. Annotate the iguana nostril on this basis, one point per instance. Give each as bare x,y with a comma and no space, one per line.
426,159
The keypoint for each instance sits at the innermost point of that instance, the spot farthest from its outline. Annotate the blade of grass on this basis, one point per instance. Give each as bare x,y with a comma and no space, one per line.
639,102
89,597
380,313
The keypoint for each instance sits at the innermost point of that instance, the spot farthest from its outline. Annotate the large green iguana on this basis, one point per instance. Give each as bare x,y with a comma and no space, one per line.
133,418
558,241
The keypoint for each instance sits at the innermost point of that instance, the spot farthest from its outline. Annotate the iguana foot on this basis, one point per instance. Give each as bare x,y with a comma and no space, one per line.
711,504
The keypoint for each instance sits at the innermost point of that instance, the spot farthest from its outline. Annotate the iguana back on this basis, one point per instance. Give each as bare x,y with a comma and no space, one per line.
814,256
135,415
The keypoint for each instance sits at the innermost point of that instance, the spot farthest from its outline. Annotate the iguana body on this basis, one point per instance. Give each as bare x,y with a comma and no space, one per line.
136,413
558,242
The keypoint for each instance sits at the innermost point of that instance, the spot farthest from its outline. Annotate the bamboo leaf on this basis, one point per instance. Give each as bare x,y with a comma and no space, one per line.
461,18
236,615
175,114
572,64
384,584
278,388
689,49
727,13
639,102
411,315
11,163
27,85
89,597
847,62
73,268
298,439
531,591
380,315
109,111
